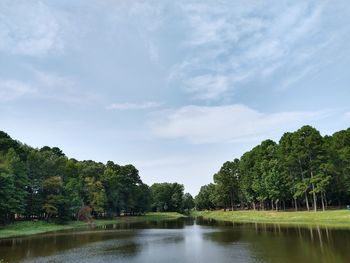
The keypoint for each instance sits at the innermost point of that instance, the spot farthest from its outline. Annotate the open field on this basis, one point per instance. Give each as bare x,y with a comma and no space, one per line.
32,227
334,218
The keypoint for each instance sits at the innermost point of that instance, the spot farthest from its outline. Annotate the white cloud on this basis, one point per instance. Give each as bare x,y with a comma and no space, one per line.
231,43
134,106
13,89
61,88
46,85
149,14
208,86
290,80
30,28
50,81
203,124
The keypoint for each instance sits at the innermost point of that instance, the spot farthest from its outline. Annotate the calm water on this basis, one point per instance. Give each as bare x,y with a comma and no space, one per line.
183,240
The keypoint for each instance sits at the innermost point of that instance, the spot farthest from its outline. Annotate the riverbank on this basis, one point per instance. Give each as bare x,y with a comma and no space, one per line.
334,218
37,227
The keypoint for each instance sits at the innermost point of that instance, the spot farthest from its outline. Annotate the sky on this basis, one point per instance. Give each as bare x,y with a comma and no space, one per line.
174,87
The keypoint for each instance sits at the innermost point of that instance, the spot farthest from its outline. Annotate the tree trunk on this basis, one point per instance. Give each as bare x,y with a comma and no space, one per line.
313,193
307,202
296,204
254,208
322,201
302,176
272,207
231,197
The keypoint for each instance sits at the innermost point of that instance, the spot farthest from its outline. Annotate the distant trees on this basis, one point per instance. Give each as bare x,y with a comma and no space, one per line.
13,179
206,198
46,184
304,170
227,183
188,203
170,197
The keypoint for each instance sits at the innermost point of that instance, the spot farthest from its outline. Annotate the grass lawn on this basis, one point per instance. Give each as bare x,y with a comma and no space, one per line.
333,218
32,227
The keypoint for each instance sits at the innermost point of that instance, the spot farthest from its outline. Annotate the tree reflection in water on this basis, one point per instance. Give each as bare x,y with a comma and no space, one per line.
183,240
276,243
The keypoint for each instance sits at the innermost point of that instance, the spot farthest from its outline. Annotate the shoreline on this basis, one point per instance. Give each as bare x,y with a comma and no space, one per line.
333,219
28,228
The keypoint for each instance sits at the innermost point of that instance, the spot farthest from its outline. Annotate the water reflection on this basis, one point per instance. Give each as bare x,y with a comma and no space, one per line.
127,249
16,249
276,243
183,240
165,224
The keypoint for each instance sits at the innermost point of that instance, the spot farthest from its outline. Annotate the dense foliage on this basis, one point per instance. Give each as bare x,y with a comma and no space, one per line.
304,170
170,197
44,183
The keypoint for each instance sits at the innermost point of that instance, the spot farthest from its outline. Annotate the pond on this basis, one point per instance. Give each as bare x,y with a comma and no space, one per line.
182,240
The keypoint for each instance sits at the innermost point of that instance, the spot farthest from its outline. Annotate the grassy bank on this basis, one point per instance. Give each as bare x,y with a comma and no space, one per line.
31,227
163,216
336,219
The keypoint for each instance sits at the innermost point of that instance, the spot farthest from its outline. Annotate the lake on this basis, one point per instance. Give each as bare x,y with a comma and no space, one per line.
182,240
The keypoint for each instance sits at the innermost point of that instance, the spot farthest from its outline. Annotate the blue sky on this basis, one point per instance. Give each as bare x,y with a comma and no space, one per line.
174,87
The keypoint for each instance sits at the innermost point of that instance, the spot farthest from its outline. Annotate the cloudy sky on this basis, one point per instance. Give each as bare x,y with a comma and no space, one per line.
174,87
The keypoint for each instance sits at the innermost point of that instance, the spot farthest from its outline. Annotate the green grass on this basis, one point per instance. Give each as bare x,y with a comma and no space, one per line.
163,215
36,227
334,218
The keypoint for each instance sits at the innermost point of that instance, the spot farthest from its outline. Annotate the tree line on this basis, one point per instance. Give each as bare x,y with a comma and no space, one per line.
304,170
46,184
